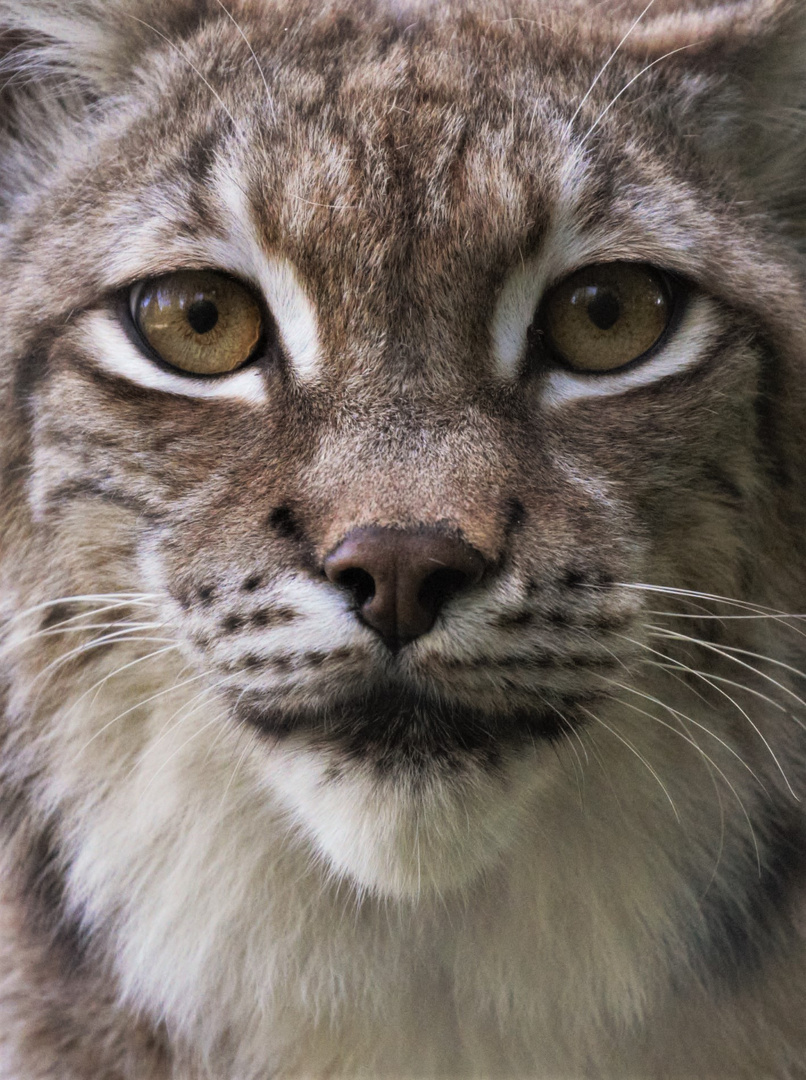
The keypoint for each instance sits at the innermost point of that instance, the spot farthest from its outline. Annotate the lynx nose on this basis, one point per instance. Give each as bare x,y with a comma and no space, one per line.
400,579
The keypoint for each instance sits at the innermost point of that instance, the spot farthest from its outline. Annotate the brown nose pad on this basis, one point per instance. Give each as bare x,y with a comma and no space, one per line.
400,579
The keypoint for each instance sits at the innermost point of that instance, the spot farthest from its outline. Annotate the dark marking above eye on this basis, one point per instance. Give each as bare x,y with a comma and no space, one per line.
604,310
202,315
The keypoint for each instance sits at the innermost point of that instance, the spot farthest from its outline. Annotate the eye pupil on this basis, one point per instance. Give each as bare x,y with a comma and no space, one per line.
604,309
202,316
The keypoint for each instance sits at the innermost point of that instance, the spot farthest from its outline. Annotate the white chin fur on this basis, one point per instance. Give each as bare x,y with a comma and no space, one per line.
404,837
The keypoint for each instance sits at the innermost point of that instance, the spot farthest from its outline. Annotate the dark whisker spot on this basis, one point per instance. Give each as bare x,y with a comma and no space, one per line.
232,623
59,613
284,523
252,583
206,593
516,513
574,578
272,616
517,618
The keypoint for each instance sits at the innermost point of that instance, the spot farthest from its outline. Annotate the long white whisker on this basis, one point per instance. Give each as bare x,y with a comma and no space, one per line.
192,66
728,650
237,26
690,719
733,701
606,65
179,749
632,750
711,762
124,667
241,758
696,595
139,705
627,86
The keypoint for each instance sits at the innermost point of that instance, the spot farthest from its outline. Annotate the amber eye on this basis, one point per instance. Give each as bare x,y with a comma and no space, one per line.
199,321
607,315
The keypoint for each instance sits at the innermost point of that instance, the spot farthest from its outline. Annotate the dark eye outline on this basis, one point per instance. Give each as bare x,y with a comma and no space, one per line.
266,348
539,351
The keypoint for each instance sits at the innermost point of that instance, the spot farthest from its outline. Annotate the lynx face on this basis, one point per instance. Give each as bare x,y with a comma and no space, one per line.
403,485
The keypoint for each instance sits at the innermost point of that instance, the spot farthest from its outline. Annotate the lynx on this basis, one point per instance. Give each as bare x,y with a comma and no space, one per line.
403,525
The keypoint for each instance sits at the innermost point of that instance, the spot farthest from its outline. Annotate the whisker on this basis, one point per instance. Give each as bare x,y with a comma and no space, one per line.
97,643
632,750
606,65
628,84
727,652
187,741
124,667
192,66
138,705
697,595
710,761
719,690
679,665
261,72
250,742
690,719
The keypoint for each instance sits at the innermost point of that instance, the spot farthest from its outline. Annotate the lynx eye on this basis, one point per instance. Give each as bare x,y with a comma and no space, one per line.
199,321
607,315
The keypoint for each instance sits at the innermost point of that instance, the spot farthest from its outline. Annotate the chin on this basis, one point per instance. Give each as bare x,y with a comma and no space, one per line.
400,823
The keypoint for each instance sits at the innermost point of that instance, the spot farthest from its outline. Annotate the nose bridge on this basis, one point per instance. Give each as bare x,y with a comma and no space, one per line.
409,475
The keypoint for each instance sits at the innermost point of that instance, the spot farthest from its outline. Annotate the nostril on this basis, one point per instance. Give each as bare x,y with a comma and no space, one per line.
440,586
358,582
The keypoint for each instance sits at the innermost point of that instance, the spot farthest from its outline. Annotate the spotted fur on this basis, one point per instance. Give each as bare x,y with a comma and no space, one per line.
559,835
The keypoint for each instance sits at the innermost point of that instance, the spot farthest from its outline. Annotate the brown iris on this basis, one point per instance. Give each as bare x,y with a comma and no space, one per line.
607,315
199,321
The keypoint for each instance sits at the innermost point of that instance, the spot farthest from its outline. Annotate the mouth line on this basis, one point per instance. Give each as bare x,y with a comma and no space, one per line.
390,720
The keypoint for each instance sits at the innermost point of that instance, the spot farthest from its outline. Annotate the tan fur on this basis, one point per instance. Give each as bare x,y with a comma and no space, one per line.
559,835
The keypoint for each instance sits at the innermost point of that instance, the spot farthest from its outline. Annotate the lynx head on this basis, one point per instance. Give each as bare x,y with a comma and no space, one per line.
380,383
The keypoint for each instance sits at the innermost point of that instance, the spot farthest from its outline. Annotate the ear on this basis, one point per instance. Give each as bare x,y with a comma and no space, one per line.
60,60
744,94
95,41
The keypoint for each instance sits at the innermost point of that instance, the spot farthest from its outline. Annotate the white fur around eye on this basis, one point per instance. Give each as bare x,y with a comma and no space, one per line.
686,347
290,306
108,346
